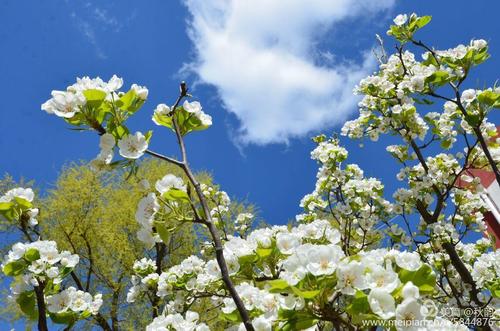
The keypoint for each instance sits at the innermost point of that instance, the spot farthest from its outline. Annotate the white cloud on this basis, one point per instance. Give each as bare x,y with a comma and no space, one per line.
264,60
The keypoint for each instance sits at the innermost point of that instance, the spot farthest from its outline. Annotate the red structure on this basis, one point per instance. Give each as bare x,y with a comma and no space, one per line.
491,197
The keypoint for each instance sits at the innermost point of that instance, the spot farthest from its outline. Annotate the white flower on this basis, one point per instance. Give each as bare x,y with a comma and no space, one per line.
400,19
350,277
96,304
107,142
196,109
478,44
133,146
17,251
408,261
133,293
232,264
58,303
168,182
409,310
468,95
80,301
140,91
161,110
69,260
33,213
323,259
410,291
18,192
384,279
150,279
192,107
147,208
381,303
287,242
144,264
52,272
114,83
262,323
64,104
145,235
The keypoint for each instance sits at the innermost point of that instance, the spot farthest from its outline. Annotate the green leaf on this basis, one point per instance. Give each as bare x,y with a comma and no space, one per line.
25,204
296,320
438,78
68,317
305,294
359,304
32,254
247,259
424,278
163,120
277,285
472,120
446,144
94,96
232,317
77,120
27,303
5,206
130,102
148,135
14,268
489,98
162,231
423,21
65,271
175,194
264,252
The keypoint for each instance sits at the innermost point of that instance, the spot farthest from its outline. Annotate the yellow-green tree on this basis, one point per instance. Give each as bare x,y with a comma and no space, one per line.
92,214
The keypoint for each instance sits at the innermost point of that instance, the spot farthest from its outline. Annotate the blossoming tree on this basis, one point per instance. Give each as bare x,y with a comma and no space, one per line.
355,260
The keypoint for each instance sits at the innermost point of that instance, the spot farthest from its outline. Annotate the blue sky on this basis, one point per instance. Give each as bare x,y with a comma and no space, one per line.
258,147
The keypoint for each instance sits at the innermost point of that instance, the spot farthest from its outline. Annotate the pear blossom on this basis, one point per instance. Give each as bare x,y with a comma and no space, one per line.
18,192
74,300
287,242
408,311
401,19
107,142
410,291
351,277
196,109
468,95
408,261
140,91
382,278
133,146
382,303
64,104
323,260
161,110
147,208
168,182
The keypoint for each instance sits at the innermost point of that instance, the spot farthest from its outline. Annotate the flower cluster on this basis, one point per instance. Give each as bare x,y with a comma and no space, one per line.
189,117
17,204
486,271
72,300
40,265
171,188
70,102
189,322
287,268
40,259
